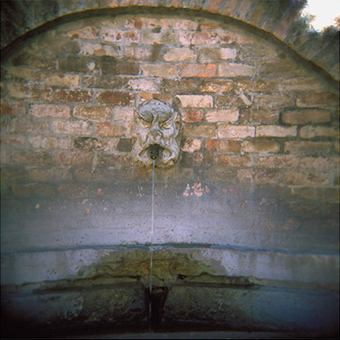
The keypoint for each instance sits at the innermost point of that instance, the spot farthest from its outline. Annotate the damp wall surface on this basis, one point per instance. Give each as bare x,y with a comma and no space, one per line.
253,197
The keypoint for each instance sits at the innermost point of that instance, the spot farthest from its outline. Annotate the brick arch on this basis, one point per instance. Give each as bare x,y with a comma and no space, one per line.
278,19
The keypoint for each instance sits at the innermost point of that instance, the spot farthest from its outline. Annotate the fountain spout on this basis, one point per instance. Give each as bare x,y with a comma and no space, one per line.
154,151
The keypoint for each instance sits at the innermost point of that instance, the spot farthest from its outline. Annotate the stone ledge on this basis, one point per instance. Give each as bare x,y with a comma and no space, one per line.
170,266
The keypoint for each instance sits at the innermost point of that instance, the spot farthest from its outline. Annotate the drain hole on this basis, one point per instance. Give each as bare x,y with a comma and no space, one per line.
154,304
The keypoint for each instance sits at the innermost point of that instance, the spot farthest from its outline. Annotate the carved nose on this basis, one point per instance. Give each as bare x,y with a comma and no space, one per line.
155,132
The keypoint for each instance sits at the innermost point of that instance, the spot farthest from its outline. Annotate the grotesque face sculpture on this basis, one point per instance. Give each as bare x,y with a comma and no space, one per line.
156,133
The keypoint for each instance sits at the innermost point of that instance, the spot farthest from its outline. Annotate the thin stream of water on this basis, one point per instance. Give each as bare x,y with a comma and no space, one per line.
151,241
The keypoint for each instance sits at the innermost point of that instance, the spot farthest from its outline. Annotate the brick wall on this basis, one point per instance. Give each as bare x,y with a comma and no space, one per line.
281,19
259,162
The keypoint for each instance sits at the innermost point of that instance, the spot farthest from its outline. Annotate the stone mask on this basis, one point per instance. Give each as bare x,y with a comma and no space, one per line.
158,125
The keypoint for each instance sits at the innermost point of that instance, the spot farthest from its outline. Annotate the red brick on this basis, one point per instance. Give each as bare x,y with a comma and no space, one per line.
24,125
92,112
317,100
198,38
275,131
280,69
114,97
103,81
318,131
278,161
119,67
95,144
223,145
203,131
181,86
78,64
191,145
208,25
260,146
232,131
230,100
59,79
180,54
299,84
298,147
12,73
139,22
261,176
23,91
159,70
319,162
192,116
163,38
217,85
49,142
306,178
228,53
142,84
114,35
100,50
234,70
233,161
197,70
259,85
87,32
13,109
35,61
138,53
198,159
270,101
209,54
303,117
222,115
165,97
72,127
195,101
123,113
55,111
175,24
228,37
262,117
76,95
111,130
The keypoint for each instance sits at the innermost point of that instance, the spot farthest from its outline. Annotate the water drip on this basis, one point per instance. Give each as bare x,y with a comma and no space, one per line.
152,231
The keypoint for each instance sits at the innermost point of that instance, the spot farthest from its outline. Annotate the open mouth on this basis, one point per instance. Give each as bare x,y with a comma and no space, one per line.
155,151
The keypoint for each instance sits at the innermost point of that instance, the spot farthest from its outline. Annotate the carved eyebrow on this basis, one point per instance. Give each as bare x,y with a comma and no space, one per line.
146,116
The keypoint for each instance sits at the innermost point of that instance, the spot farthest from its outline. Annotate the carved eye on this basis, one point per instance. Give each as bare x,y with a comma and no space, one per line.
144,123
167,124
